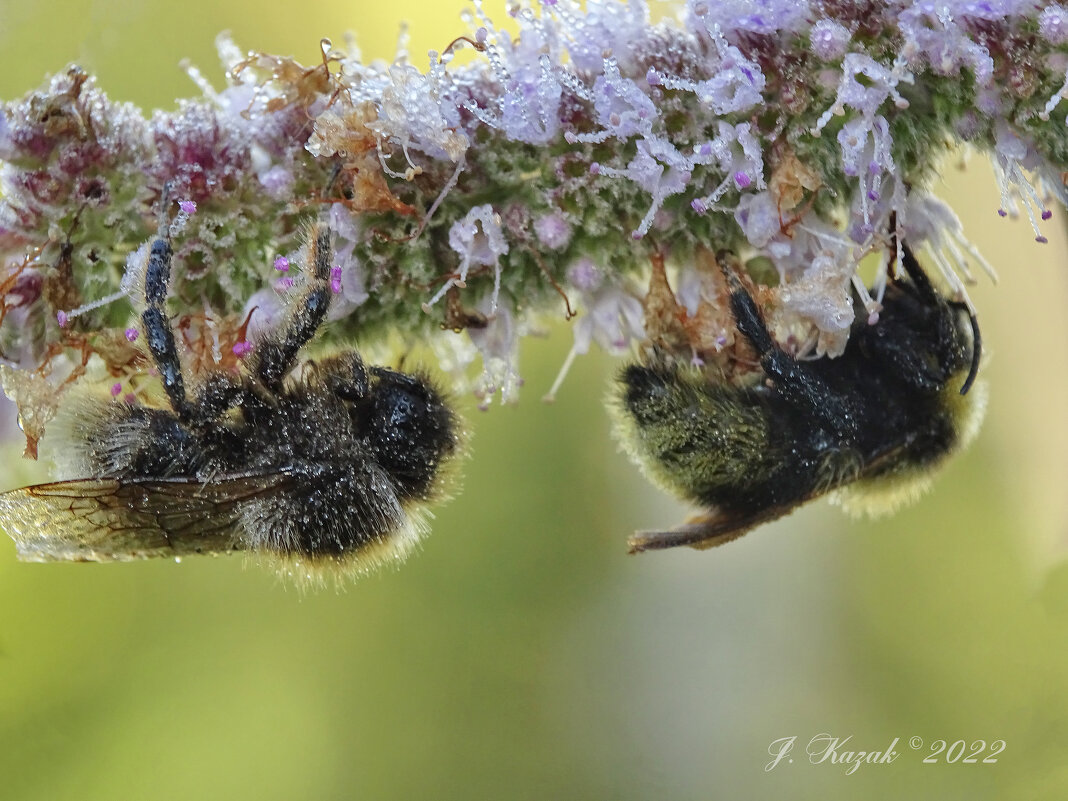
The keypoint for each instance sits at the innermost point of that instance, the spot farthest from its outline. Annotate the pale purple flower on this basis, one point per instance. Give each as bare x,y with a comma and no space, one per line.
934,33
766,128
660,170
277,181
829,39
414,115
584,275
1012,158
528,108
353,278
553,230
606,26
479,241
755,16
623,109
613,319
1053,24
822,295
264,312
758,215
498,343
879,85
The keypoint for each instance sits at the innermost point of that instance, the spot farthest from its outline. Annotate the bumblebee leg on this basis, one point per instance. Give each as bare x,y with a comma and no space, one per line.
218,394
344,375
794,380
275,354
918,276
157,326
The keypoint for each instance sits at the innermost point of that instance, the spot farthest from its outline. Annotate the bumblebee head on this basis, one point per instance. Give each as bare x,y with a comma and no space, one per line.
931,339
410,428
407,425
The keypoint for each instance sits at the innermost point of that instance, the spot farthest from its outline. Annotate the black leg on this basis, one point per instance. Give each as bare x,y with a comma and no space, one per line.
793,380
275,354
345,376
918,277
157,326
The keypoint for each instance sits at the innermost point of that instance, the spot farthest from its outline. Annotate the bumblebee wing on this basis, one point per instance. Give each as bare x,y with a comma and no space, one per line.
721,526
707,531
113,520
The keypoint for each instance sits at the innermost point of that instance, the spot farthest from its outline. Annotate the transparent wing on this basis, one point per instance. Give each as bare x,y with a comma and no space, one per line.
707,531
720,526
113,520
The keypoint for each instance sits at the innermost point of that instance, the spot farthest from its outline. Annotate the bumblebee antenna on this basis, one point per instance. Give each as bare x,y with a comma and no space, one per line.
977,346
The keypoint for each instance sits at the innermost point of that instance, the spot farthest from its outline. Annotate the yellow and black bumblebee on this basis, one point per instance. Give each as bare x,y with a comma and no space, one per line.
870,425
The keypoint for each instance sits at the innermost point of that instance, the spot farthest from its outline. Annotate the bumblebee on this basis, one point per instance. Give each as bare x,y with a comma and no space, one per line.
319,464
869,426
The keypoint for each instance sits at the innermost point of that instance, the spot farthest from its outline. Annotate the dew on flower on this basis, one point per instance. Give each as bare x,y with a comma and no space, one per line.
562,157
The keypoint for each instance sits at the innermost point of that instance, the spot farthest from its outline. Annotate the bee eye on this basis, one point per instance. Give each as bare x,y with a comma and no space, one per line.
398,408
401,410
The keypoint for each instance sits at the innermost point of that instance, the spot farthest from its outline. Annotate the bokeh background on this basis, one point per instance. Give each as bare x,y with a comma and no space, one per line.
522,654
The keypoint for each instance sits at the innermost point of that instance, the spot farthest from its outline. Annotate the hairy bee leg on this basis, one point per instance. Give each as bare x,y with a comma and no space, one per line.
157,325
795,381
275,355
345,375
218,394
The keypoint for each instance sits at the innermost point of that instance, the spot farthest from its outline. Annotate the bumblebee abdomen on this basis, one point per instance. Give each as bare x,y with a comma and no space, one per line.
119,440
703,441
324,511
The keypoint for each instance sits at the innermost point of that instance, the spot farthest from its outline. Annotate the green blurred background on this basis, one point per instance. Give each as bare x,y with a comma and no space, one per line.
522,654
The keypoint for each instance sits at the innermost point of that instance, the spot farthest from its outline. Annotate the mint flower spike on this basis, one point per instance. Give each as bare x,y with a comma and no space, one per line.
584,159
